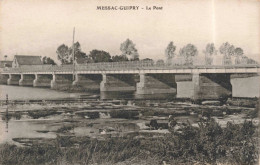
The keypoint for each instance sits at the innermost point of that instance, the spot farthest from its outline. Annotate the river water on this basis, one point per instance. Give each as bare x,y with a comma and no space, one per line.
26,127
30,93
70,108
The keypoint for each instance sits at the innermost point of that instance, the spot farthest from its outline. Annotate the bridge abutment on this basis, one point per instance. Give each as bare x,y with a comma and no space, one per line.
89,82
13,79
61,81
42,80
26,80
4,78
118,82
245,85
156,83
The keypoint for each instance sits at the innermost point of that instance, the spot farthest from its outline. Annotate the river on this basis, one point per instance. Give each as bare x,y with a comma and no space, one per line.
30,93
40,113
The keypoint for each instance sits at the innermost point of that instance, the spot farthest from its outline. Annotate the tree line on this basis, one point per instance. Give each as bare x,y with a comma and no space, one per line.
189,51
130,53
65,54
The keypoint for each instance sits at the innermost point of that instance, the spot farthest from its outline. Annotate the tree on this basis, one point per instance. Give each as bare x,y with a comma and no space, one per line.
188,52
251,61
63,54
148,61
48,60
160,62
99,56
78,54
238,52
119,58
169,52
209,52
227,50
128,49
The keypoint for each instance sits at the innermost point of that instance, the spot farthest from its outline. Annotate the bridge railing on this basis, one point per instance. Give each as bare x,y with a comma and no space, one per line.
108,66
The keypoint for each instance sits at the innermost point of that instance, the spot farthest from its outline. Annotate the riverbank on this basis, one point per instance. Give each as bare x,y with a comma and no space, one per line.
209,143
88,129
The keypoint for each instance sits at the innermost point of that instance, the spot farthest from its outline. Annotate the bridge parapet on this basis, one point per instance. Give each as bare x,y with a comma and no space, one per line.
130,66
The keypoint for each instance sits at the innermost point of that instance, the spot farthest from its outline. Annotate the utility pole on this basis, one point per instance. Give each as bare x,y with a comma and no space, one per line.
73,54
6,114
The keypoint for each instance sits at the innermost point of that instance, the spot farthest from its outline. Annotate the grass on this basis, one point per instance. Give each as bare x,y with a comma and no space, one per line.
209,143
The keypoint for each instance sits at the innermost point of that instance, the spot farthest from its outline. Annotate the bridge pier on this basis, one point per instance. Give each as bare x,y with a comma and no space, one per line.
89,82
13,79
26,80
245,85
61,81
4,78
185,85
156,83
42,80
203,86
118,82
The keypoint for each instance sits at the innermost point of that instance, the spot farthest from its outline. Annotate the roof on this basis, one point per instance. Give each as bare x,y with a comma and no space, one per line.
28,60
5,64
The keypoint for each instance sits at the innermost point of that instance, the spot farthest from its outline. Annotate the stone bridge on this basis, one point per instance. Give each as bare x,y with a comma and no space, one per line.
144,77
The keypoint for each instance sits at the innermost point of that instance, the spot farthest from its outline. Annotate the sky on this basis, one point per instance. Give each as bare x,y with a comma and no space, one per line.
30,27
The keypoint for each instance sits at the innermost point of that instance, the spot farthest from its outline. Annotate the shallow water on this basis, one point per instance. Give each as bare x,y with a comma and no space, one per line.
24,129
30,93
72,103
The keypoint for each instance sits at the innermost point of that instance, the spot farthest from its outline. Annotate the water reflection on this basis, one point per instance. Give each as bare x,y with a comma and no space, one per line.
134,95
17,124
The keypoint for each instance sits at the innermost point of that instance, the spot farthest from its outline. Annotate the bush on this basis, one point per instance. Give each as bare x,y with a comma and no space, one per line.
207,144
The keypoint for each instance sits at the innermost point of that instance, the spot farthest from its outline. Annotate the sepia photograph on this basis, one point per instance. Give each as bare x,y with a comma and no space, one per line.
129,82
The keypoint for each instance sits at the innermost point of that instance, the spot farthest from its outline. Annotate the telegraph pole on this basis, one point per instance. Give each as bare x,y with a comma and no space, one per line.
73,54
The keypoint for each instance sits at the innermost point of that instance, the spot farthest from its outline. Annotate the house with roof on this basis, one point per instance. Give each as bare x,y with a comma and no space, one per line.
20,60
5,64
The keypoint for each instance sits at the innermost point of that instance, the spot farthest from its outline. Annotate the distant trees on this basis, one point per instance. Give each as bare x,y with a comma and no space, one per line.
78,53
128,49
99,56
238,52
119,58
65,54
231,54
160,62
48,60
227,50
209,52
188,52
230,51
170,52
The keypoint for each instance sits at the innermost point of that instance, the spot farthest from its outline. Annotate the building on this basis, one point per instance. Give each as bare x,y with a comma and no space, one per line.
5,64
20,60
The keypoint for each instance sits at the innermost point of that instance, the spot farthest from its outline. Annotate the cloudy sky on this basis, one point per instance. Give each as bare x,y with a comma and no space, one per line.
28,27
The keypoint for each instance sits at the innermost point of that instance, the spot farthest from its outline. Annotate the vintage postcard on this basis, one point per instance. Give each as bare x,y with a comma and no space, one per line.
129,82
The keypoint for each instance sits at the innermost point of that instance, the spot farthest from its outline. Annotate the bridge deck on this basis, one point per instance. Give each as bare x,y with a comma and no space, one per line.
131,67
